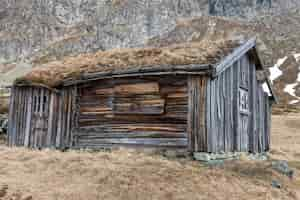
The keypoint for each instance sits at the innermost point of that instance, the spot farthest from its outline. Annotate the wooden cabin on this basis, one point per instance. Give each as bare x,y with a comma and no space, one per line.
200,97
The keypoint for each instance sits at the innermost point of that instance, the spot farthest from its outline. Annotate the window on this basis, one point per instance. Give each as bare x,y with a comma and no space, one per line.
40,101
243,100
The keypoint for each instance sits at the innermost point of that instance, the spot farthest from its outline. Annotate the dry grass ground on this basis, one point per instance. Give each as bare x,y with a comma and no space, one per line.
126,174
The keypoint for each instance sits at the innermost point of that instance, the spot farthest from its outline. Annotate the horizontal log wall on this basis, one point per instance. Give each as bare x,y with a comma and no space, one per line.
148,111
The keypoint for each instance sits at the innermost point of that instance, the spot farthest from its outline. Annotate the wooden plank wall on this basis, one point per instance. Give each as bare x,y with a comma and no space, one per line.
40,118
221,106
197,132
229,127
136,112
64,118
17,130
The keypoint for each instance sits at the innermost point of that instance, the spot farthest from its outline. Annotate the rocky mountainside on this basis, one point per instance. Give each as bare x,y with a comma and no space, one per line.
38,31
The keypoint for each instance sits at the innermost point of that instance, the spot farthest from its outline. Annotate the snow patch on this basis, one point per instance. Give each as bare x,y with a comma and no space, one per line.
266,89
275,72
297,57
290,89
294,102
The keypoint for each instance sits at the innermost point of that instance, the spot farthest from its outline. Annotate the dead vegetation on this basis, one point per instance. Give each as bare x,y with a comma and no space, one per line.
205,52
127,174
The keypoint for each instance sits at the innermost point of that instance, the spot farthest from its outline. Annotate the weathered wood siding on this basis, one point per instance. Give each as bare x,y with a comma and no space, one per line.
148,111
238,111
197,132
40,117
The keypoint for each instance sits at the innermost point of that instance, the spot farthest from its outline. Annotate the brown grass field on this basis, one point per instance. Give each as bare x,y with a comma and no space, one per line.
127,174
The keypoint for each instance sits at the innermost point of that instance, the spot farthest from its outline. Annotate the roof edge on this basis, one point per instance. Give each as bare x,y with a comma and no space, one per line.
234,56
190,69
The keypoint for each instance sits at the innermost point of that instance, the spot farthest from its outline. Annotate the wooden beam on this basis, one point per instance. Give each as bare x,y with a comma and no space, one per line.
233,57
192,69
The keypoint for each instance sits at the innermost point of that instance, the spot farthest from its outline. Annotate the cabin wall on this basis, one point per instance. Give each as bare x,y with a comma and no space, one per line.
238,110
40,117
148,112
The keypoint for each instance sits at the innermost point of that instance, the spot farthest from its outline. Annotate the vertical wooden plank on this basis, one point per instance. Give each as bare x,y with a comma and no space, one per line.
263,119
24,115
196,114
50,119
255,111
251,110
190,115
258,119
247,75
11,115
54,120
16,132
213,117
19,117
220,103
236,113
36,121
208,116
59,121
64,122
231,105
69,114
28,118
20,120
268,122
202,109
227,111
73,117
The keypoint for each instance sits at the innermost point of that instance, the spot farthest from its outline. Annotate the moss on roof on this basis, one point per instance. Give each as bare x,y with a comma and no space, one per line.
54,73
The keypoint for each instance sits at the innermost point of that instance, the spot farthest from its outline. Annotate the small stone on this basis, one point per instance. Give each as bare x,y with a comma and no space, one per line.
215,163
202,156
282,167
276,184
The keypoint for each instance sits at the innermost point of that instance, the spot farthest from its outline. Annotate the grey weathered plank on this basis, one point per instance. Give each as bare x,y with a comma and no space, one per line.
175,142
11,115
50,119
59,121
28,118
208,115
